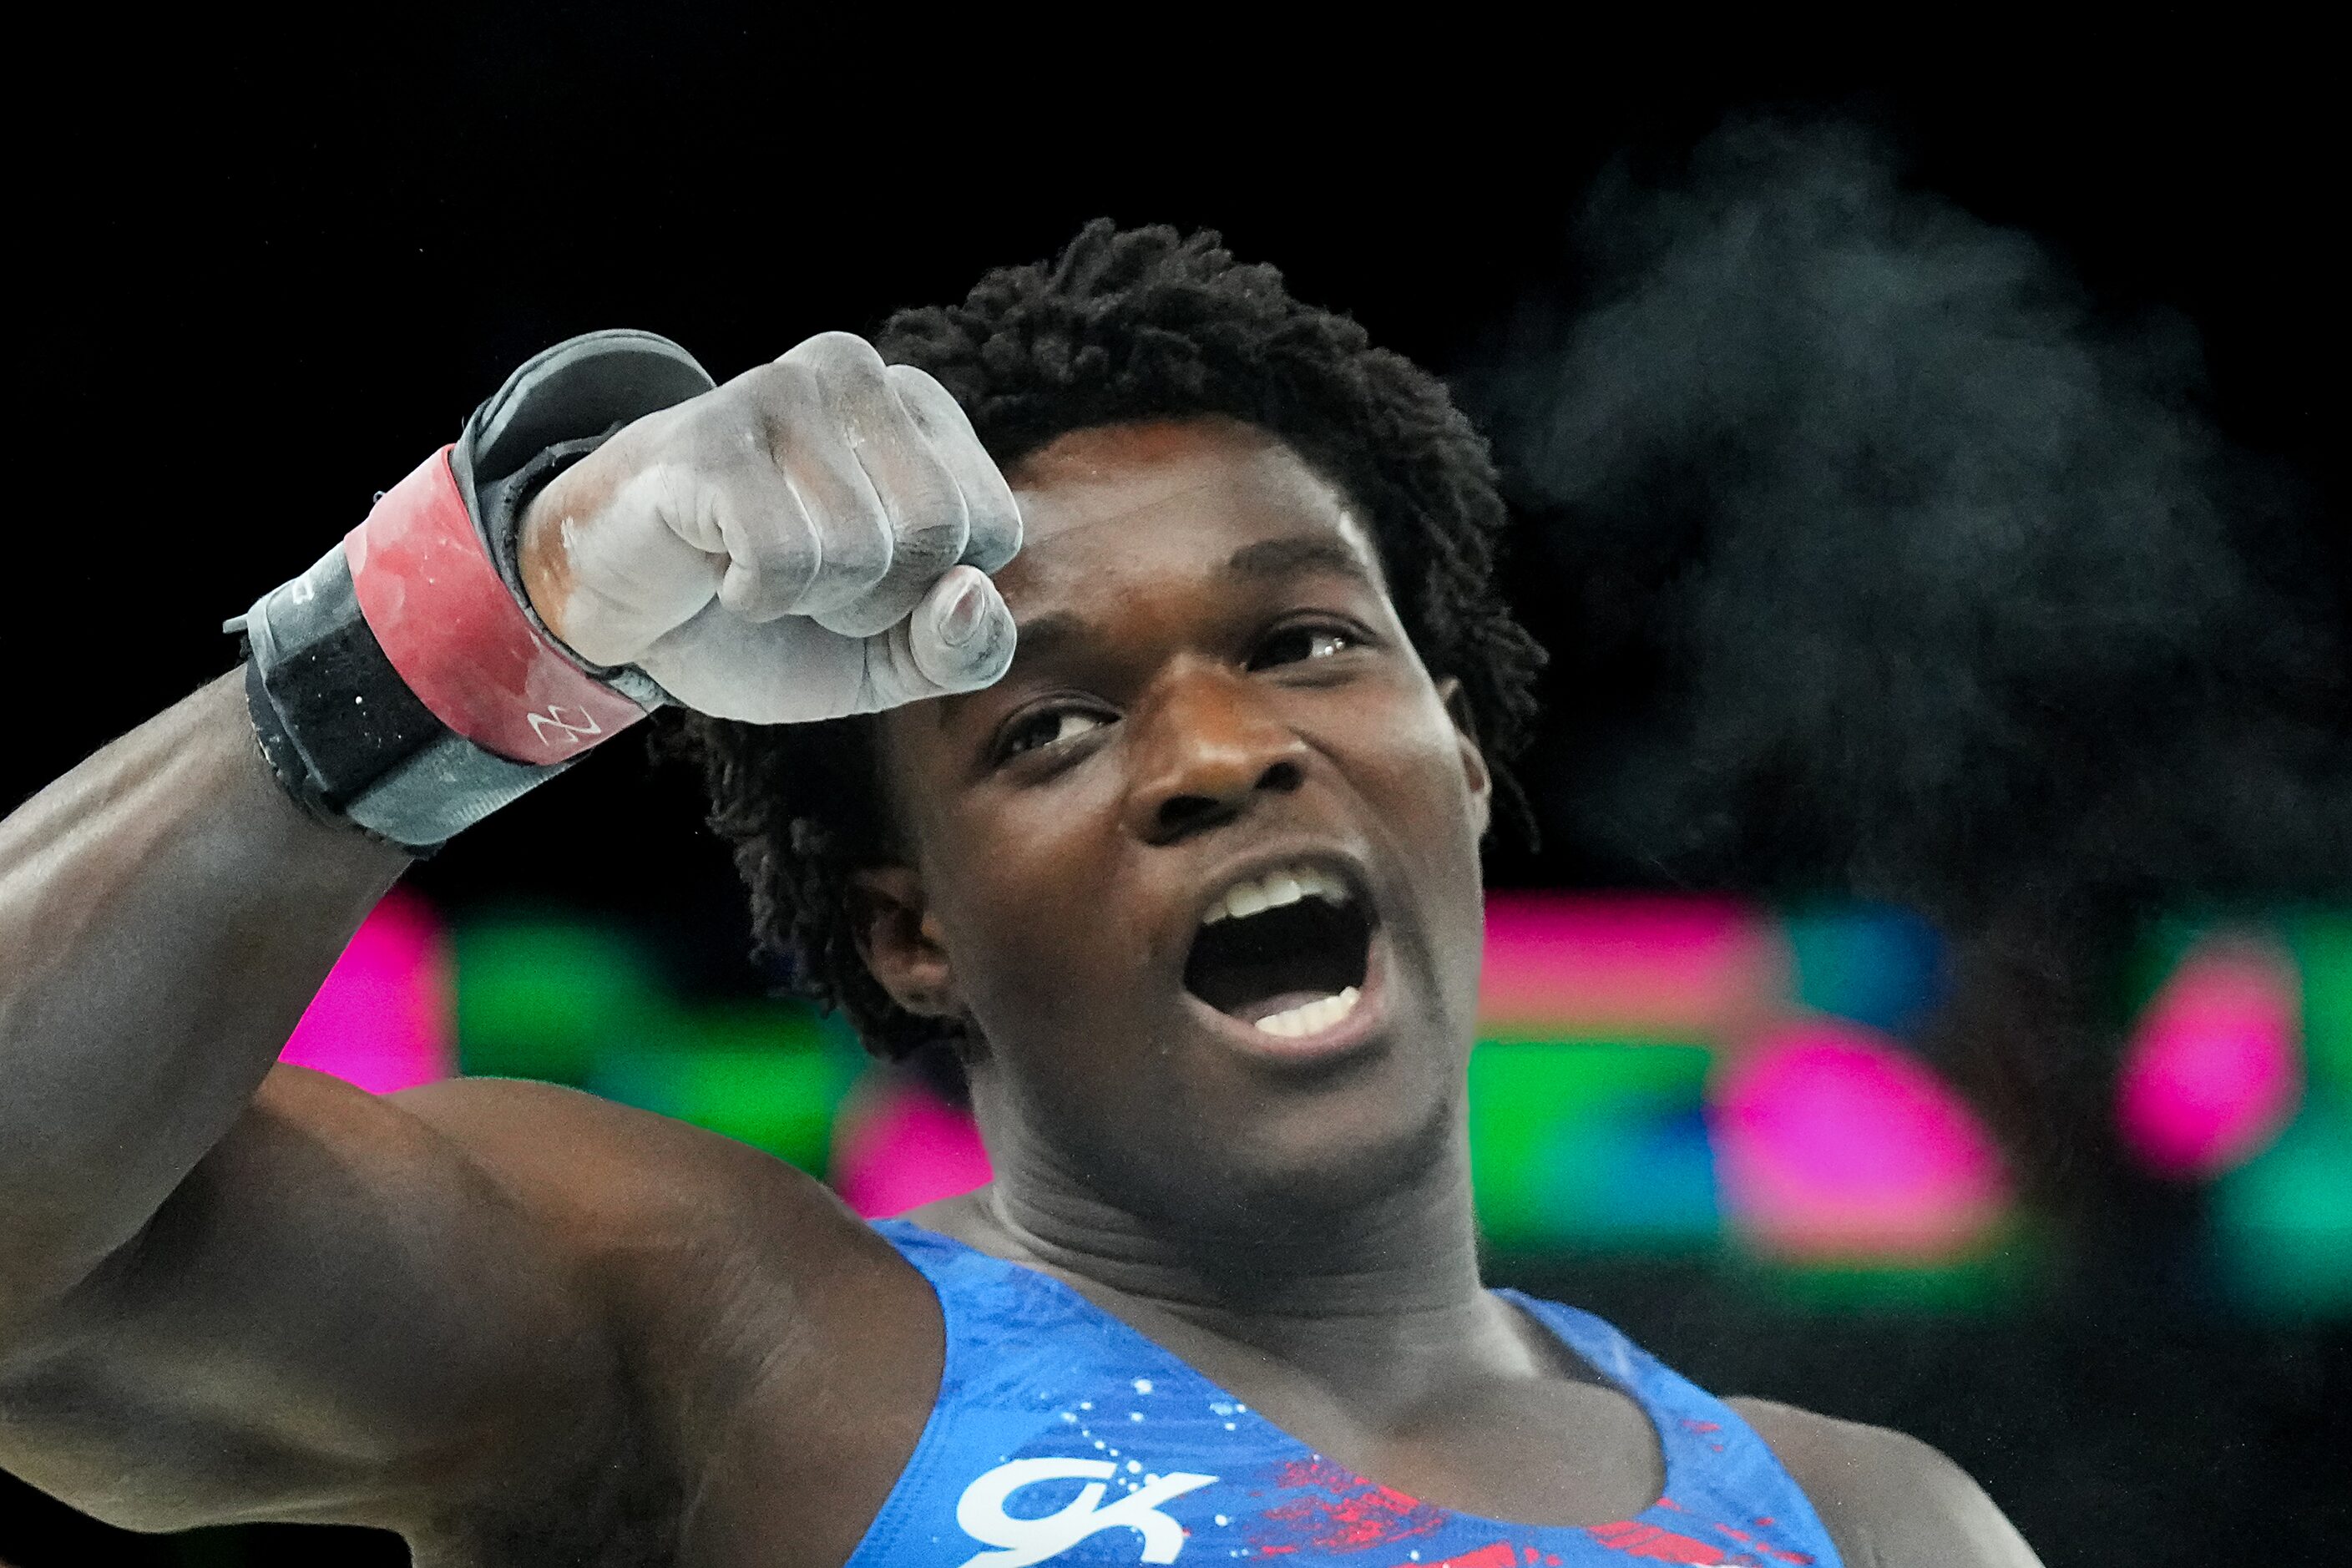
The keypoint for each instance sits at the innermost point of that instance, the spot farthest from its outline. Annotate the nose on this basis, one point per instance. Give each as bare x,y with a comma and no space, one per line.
1207,749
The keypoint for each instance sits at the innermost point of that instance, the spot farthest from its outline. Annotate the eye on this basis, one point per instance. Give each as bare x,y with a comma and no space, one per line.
1046,727
1294,645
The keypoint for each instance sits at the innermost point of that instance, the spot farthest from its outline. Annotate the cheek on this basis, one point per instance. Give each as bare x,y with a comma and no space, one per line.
1420,800
1032,924
1008,876
1419,762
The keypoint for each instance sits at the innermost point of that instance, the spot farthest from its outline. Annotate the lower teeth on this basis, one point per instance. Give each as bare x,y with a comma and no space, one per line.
1310,1017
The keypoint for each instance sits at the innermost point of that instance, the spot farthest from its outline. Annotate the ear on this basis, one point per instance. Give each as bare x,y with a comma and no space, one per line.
1474,761
901,942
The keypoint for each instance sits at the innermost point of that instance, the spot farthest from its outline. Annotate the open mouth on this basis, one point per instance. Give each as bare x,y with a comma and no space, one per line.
1285,952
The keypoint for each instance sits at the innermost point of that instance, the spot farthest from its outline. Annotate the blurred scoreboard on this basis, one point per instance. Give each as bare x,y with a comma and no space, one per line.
1655,1076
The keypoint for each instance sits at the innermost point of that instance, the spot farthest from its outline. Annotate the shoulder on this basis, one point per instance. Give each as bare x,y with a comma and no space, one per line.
704,1254
1888,1499
780,1356
606,1168
641,1202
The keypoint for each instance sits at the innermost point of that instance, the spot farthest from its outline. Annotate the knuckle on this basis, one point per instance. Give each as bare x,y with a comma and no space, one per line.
769,395
932,532
921,389
924,498
773,557
838,355
858,550
741,426
995,536
728,437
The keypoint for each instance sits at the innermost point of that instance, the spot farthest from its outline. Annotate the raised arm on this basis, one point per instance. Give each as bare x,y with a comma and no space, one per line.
165,914
233,1291
226,1292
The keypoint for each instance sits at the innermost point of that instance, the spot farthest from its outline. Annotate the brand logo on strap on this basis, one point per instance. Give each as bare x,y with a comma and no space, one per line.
1020,1541
573,730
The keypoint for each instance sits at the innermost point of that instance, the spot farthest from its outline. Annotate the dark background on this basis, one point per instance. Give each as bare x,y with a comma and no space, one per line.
266,274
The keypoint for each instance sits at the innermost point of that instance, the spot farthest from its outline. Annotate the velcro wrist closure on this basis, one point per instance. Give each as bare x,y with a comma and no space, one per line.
343,732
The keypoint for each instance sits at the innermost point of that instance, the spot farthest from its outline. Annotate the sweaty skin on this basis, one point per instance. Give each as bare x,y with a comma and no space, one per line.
514,1322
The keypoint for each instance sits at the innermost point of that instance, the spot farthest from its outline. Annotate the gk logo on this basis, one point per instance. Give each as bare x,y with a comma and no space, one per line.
553,718
1020,1541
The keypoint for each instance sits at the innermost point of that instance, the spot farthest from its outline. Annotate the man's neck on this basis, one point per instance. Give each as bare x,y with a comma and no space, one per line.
1384,1291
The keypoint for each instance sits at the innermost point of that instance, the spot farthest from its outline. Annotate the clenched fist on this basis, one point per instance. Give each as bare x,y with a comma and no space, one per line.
809,541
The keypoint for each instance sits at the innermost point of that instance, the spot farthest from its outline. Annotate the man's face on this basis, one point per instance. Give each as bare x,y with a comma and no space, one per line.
1213,692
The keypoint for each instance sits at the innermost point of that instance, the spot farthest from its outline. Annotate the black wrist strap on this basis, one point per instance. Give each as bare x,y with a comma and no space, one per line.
344,735
339,729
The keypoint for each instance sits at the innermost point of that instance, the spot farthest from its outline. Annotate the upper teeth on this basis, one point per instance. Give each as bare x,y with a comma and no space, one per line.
1274,890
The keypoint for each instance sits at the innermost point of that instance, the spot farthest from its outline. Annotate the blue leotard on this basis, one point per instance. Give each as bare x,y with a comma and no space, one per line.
1063,1436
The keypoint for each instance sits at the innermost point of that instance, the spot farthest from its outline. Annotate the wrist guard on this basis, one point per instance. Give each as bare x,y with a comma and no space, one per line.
404,683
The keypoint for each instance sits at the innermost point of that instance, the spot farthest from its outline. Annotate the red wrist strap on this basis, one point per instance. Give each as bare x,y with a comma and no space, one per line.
451,627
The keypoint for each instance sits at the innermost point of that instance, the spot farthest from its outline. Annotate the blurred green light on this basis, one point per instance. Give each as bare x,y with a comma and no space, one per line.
1598,1145
770,1076
2283,1223
1992,1276
2322,943
544,999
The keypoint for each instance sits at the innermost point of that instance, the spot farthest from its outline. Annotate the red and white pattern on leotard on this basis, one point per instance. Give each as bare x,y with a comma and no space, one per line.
1332,1509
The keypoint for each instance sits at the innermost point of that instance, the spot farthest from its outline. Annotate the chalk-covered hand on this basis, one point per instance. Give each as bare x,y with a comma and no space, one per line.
809,541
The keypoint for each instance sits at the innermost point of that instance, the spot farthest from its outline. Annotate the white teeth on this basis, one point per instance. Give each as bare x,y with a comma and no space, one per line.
1310,1017
1276,889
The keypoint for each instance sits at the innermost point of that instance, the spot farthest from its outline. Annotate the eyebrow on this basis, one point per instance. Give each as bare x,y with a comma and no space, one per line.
1258,560
1040,637
1299,553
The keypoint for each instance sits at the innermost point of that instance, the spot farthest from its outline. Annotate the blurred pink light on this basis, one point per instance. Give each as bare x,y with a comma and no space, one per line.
1831,1143
905,1147
2215,1071
387,1017
1691,967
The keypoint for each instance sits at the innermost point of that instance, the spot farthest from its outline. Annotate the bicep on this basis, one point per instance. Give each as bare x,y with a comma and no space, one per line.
336,1316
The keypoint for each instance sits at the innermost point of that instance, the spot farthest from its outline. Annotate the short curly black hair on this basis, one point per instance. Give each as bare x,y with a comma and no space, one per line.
1131,325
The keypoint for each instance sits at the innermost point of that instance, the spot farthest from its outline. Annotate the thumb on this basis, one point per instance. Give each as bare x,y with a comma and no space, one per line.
961,633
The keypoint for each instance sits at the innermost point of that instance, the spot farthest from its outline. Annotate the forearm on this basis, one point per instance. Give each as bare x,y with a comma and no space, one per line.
165,914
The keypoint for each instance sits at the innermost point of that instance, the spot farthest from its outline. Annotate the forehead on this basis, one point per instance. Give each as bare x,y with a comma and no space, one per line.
1127,502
